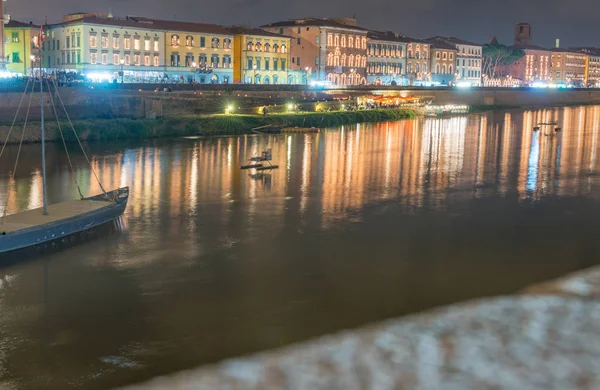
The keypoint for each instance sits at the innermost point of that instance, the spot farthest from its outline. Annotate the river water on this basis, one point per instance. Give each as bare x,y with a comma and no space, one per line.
358,224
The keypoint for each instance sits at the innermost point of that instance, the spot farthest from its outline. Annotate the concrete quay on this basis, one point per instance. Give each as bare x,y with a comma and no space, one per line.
545,337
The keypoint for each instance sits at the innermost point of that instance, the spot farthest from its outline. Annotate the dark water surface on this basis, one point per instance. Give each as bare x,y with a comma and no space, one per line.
358,224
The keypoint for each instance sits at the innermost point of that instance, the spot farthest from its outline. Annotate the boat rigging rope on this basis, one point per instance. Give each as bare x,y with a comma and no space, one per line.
15,118
77,138
12,174
63,141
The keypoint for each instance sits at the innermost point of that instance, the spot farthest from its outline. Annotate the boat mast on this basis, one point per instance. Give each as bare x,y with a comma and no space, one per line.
41,44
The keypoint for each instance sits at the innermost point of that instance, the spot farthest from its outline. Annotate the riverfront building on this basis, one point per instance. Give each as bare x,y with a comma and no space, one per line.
21,42
197,52
328,50
263,57
593,64
443,58
106,48
468,59
569,67
386,58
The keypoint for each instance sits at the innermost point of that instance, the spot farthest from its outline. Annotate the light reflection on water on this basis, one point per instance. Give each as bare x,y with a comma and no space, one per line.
358,224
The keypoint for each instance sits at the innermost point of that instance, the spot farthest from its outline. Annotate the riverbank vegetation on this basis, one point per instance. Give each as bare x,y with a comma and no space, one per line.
121,128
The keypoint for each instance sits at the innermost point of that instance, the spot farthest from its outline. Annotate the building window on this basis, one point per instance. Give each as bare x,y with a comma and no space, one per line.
343,42
175,59
283,64
275,63
215,43
267,64
451,56
298,41
445,55
250,46
104,41
317,60
116,59
78,57
298,61
93,58
350,41
136,59
336,40
227,62
284,49
127,43
156,44
202,41
15,37
317,41
558,74
437,55
330,39
364,43
115,42
156,61
147,44
68,43
93,41
104,58
258,46
147,60
189,41
450,69
258,63
267,48
127,59
136,43
78,40
250,63
174,40
409,68
281,30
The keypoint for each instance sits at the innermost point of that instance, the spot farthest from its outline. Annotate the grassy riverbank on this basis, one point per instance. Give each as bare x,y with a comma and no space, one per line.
119,128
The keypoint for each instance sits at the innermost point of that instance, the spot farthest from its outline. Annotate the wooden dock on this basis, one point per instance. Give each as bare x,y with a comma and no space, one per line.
56,212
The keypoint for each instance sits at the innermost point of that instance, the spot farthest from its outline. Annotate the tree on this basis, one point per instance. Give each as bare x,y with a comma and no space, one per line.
495,55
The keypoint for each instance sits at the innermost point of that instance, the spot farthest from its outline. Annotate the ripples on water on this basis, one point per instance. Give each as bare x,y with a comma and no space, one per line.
360,223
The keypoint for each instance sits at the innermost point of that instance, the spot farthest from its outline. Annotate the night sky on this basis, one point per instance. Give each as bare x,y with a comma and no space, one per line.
575,22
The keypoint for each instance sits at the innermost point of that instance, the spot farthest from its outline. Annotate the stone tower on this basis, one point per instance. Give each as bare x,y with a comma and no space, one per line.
523,34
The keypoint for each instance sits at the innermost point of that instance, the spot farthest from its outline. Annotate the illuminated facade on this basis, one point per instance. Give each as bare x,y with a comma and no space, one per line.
101,47
593,65
569,67
20,43
443,59
535,66
3,20
468,59
262,57
417,62
197,52
386,58
329,50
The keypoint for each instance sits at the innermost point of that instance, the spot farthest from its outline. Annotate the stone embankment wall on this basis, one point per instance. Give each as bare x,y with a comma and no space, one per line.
120,102
545,338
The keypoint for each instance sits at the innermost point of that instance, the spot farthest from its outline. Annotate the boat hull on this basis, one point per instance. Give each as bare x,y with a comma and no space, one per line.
116,202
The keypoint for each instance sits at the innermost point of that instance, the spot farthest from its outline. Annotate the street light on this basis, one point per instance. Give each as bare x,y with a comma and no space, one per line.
122,61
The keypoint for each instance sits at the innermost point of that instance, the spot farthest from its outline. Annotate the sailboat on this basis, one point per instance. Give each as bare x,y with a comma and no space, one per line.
56,221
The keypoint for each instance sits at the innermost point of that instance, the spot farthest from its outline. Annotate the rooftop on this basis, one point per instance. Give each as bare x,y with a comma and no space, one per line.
454,41
435,44
344,23
152,24
253,31
16,24
391,36
530,47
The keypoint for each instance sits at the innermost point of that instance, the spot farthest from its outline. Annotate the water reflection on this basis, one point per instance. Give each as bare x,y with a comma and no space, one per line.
359,223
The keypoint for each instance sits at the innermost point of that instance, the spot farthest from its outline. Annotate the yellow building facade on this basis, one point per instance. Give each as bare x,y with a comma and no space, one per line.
198,52
261,57
20,43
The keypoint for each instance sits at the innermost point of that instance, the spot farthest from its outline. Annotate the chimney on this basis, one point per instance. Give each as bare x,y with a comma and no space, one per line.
557,43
